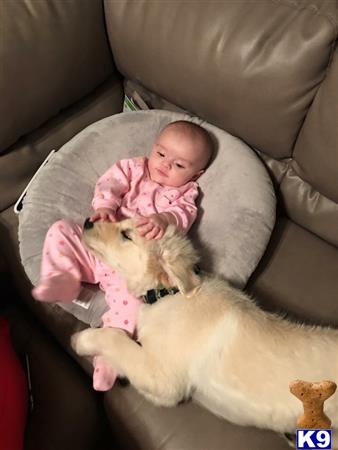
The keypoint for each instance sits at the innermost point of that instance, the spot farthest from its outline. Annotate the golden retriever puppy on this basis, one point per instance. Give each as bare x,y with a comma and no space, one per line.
209,341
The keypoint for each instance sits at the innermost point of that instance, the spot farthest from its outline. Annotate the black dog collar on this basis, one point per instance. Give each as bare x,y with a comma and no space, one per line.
155,294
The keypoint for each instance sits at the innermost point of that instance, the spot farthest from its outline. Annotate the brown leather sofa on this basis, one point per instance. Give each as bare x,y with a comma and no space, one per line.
265,71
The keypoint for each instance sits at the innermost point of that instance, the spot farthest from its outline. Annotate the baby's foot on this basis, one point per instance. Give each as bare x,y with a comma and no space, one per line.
103,377
58,288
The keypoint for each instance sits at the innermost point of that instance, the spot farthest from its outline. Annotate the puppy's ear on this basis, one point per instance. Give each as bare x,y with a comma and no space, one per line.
186,280
177,258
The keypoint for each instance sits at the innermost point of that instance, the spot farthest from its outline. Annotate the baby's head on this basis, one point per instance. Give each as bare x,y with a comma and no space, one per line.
180,153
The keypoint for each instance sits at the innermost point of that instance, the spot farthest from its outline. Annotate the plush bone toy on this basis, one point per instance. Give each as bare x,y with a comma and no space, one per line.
313,396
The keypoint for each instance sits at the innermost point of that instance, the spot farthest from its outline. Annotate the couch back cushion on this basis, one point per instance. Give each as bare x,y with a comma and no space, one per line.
52,53
251,68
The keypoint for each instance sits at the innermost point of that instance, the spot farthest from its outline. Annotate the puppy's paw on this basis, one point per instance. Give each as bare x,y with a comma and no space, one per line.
83,343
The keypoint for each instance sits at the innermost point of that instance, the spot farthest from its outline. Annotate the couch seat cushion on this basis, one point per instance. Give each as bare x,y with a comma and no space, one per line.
143,426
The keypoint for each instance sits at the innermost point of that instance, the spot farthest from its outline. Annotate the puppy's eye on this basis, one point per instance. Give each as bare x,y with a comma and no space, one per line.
125,235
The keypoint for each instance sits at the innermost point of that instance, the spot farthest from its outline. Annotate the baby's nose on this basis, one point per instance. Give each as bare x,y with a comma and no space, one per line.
167,164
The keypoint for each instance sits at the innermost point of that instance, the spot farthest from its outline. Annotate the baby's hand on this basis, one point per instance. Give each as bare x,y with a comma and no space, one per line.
153,226
103,214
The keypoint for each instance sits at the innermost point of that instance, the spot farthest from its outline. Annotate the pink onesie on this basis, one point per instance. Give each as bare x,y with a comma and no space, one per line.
126,188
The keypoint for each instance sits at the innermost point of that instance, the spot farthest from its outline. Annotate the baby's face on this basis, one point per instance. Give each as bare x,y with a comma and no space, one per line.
176,159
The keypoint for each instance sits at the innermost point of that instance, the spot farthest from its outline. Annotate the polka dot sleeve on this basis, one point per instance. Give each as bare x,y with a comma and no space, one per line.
184,208
112,186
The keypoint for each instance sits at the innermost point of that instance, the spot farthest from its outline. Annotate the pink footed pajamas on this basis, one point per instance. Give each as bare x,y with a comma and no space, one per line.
128,191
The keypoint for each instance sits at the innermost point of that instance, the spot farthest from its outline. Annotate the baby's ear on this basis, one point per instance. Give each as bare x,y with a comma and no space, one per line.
197,175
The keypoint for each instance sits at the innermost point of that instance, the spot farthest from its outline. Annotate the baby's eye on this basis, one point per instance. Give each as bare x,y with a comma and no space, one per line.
179,166
160,154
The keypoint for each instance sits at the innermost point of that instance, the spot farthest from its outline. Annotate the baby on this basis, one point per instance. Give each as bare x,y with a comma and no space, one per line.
157,191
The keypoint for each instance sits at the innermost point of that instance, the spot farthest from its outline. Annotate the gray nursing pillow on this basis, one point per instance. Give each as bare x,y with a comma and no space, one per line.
237,202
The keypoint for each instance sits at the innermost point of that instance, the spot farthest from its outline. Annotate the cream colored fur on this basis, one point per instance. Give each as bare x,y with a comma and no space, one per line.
210,341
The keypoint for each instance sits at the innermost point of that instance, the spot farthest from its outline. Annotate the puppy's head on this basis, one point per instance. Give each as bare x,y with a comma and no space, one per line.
145,264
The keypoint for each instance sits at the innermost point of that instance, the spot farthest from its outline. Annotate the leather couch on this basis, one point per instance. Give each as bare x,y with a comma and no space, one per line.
265,71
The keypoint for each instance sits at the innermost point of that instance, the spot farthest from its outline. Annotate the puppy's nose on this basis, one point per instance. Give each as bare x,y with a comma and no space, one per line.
88,224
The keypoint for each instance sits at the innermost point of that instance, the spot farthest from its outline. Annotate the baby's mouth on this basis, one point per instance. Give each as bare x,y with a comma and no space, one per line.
163,174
